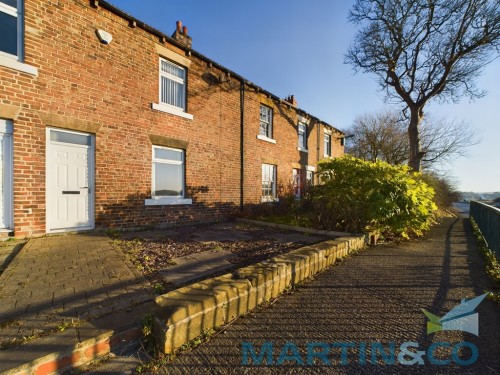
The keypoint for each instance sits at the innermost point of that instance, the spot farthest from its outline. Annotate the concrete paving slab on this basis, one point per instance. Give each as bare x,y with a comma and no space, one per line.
193,267
123,364
221,236
284,237
150,235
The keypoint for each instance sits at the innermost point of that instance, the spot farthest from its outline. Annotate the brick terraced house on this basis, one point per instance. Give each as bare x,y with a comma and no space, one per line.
107,122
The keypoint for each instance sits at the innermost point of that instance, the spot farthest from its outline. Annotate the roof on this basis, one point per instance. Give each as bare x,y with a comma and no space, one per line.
200,56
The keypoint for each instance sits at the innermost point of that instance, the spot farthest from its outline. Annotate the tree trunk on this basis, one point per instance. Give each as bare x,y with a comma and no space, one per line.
416,154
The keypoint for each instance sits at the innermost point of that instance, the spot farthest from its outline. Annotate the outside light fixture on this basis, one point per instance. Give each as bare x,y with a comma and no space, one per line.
104,36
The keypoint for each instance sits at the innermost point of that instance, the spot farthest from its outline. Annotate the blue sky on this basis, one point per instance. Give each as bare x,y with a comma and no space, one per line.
297,47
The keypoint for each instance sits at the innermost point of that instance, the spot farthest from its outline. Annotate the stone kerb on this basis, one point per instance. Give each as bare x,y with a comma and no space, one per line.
187,313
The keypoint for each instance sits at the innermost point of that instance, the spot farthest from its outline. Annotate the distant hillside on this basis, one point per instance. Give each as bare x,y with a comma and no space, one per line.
471,195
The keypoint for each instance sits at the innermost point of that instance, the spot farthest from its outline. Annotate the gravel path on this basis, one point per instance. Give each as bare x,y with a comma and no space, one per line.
375,296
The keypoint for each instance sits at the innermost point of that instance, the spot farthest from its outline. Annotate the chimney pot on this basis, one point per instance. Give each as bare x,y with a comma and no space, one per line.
180,35
291,99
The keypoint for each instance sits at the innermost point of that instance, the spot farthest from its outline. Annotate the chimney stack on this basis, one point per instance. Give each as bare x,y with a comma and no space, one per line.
291,99
181,35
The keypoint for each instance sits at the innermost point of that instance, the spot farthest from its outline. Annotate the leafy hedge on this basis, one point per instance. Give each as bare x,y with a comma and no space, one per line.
357,195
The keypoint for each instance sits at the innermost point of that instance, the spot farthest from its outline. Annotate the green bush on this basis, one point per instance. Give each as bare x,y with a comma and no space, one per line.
357,195
443,186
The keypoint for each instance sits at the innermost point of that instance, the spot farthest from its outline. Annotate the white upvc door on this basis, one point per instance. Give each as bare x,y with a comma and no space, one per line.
70,181
6,188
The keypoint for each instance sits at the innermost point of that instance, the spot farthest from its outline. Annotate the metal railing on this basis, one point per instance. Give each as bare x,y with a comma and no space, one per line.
488,220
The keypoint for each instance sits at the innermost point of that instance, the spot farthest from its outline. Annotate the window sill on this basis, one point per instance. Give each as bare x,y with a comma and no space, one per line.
303,150
268,199
167,201
19,66
327,156
264,138
171,110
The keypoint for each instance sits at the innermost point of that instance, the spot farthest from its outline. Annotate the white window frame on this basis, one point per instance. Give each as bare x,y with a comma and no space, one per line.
297,182
327,145
18,13
162,199
167,107
302,129
6,158
273,173
16,61
310,177
269,133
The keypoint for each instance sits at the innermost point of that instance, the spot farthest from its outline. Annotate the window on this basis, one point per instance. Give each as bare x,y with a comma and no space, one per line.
12,36
172,85
297,182
168,172
6,211
302,129
310,178
11,27
168,182
268,183
67,137
266,122
328,145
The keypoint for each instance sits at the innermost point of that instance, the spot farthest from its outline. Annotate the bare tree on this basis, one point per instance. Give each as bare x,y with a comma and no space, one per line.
425,49
379,136
382,136
446,140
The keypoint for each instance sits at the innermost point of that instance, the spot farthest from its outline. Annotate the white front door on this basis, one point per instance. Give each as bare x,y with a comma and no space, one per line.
6,130
70,181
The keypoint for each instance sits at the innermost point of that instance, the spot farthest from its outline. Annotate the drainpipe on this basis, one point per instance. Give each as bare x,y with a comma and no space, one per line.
242,122
318,136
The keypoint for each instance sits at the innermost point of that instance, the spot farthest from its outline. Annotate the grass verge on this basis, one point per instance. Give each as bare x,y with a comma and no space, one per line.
492,266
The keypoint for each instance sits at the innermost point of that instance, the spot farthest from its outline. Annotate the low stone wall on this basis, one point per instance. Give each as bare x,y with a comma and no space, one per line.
191,311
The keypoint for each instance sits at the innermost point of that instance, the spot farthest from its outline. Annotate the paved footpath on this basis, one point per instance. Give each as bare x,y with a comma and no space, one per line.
59,280
375,296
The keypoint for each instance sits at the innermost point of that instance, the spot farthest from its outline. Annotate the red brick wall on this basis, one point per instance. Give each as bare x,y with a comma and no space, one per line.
113,86
284,153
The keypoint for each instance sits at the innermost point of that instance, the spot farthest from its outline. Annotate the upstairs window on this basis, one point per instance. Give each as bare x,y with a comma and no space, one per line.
172,85
266,121
302,129
11,26
328,145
